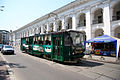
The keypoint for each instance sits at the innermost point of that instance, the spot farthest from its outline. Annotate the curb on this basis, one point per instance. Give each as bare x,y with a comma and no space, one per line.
9,70
105,59
115,62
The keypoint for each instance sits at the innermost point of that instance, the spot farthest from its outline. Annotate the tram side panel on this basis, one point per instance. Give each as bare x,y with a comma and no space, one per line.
24,45
35,46
57,47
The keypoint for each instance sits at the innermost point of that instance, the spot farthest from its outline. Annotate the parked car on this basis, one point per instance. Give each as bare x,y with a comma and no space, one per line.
7,49
1,46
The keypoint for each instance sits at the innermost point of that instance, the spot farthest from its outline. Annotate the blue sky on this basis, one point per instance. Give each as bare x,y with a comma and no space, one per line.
18,13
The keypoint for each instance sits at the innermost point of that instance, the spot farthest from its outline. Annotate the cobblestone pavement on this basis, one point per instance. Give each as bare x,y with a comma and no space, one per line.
3,70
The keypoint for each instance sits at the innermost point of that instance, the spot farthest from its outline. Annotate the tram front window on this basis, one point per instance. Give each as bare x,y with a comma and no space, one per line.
74,39
67,40
77,38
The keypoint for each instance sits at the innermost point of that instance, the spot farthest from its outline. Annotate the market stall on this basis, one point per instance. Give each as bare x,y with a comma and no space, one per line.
105,45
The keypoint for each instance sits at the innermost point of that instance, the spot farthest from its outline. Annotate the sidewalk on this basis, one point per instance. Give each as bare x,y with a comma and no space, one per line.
3,70
102,58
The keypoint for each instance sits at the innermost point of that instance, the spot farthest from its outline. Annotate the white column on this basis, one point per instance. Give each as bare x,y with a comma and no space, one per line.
23,34
48,28
38,30
27,33
88,25
63,24
55,26
74,25
42,29
106,19
33,31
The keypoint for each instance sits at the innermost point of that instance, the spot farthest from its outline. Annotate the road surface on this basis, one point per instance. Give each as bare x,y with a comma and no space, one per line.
30,68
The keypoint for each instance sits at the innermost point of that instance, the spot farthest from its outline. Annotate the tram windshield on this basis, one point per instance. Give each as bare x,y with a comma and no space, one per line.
75,39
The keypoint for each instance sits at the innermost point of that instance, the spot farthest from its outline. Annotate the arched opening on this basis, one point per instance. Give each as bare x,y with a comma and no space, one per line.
82,20
117,32
45,28
51,27
98,16
24,34
59,25
35,31
84,38
116,11
28,33
69,23
39,29
98,32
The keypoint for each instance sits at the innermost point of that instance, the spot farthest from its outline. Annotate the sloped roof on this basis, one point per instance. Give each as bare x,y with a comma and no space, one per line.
103,39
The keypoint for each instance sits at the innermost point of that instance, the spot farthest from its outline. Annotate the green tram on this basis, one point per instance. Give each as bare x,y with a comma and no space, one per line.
60,46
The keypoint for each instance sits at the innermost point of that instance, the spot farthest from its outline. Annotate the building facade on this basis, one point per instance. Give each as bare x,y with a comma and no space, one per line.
4,37
93,17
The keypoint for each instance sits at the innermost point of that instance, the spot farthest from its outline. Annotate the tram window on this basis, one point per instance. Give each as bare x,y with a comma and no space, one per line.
30,40
77,38
61,41
35,40
47,40
67,40
40,40
27,42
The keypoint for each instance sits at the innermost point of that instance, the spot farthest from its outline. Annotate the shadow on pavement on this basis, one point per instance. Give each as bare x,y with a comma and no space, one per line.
88,64
2,63
3,74
83,63
8,54
15,65
3,71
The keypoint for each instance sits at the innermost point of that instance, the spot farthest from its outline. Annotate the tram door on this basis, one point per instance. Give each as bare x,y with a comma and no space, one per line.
30,45
57,47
